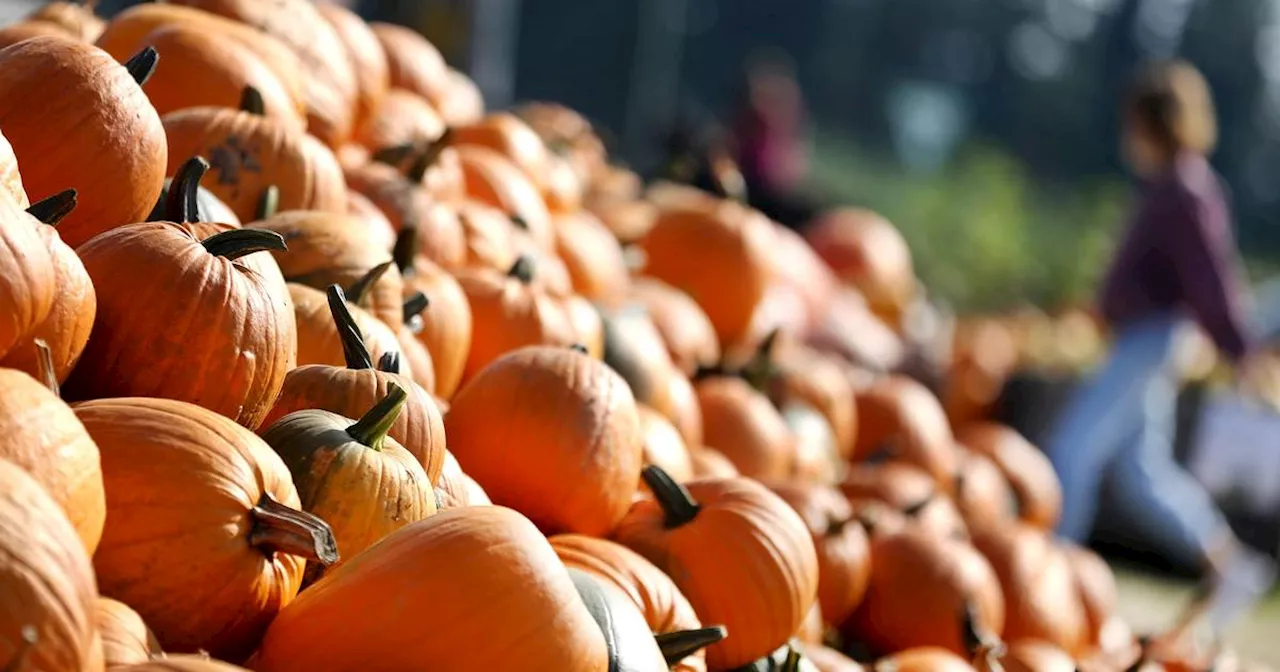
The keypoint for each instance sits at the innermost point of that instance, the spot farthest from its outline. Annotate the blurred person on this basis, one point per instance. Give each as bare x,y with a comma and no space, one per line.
1177,261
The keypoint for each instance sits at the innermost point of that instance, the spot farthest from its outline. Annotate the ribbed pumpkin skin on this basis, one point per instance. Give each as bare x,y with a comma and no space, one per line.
742,424
489,563
593,257
161,560
446,323
27,275
456,489
506,315
48,581
1029,472
903,415
844,553
248,153
366,56
403,118
40,433
684,327
746,562
176,322
318,340
576,427
126,640
414,63
493,179
112,152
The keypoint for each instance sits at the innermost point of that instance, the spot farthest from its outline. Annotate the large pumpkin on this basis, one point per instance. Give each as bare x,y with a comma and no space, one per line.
900,418
240,334
844,556
112,151
229,538
740,422
28,276
445,324
366,56
489,563
685,329
579,430
1028,471
250,153
126,639
46,622
738,552
414,63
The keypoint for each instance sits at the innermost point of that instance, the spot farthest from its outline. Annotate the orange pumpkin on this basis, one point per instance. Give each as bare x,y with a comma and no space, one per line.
352,389
844,556
463,103
803,273
414,63
813,629
900,417
413,353
494,180
829,660
251,153
737,551
1029,472
740,422
204,69
683,409
1039,588
33,261
581,430
407,205
923,659
434,164
456,489
907,490
711,463
445,327
586,323
628,219
866,251
819,380
243,324
1096,586
343,621
25,30
689,337
231,520
633,348
329,80
510,136
663,445
76,18
126,640
570,137
47,619
1028,655
403,118
982,494
375,224
319,341
114,187
593,257
366,56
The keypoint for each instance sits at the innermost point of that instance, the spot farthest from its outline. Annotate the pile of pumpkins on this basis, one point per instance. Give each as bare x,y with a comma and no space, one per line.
309,363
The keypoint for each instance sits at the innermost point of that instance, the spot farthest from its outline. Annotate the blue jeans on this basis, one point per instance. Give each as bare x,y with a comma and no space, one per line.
1118,431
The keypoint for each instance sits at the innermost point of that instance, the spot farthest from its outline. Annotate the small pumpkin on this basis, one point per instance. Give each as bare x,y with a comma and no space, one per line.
366,56
761,591
689,337
126,639
319,340
901,418
1096,586
683,409
408,205
403,118
982,494
367,609
633,348
740,422
494,180
240,321
114,187
819,380
24,30
456,489
463,103
803,274
250,153
433,163
364,484
1029,472
231,520
593,256
816,458
711,463
580,430
352,389
844,555
414,63
508,135
445,327
865,250
412,351
47,622
907,490
376,225
663,445
631,647
76,18
586,323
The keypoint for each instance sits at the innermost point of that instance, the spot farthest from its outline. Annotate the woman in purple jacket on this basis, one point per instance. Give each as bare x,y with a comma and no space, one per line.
1177,261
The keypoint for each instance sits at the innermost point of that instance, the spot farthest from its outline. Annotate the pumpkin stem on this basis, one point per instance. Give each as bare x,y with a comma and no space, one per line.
976,639
522,270
760,371
913,510
389,362
678,506
281,529
55,208
394,155
236,243
792,663
372,427
30,637
143,65
182,204
678,645
414,305
520,222
836,526
405,250
44,366
353,347
268,203
359,290
580,349
251,102
429,156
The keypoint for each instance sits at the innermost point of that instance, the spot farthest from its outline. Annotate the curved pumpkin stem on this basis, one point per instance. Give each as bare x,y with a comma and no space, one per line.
522,270
268,203
182,205
353,347
913,510
415,305
280,529
418,170
372,427
678,506
389,362
394,155
580,349
143,65
44,366
520,222
251,102
760,371
55,208
405,250
359,290
237,243
676,646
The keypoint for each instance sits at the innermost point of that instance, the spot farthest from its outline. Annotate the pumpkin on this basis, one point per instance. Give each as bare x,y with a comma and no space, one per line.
508,135
415,355
1029,655
181,663
663,445
351,155
812,630
366,56
403,118
819,380
569,136
562,188
434,164
1039,587
65,330
829,660
25,30
816,459
850,330
445,325
76,18
740,422
923,659
352,475
592,256
1029,472
802,274
711,463
982,494
209,208
231,519
866,251
737,551
844,556
240,321
683,410
900,417
319,341
687,333
925,591
250,153
407,205
1096,587
352,389
580,430
414,63
10,177
41,435
463,103
375,225
127,31
630,645
47,620
113,151
907,490
633,348
494,180
329,80
586,323
508,312
553,274
456,489
629,220
719,256
368,609
126,640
